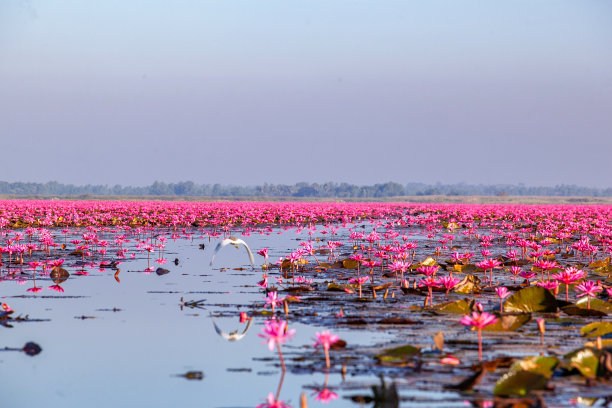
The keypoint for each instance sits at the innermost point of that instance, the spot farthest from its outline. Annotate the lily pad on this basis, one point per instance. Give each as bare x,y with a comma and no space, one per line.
534,299
596,329
601,263
397,355
574,310
429,261
596,304
469,284
349,264
468,268
605,343
586,361
334,287
463,306
530,373
509,322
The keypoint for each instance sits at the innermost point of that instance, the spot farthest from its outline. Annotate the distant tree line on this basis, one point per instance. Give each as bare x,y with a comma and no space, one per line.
335,190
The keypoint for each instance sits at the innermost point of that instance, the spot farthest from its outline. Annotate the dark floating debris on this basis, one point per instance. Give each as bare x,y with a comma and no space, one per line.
192,375
30,348
192,303
176,261
384,396
161,271
202,246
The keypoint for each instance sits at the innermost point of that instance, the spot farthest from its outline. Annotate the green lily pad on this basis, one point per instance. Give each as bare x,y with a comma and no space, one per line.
350,264
534,299
429,261
463,306
596,304
530,373
601,263
574,310
468,268
586,361
334,287
397,355
509,322
596,329
469,284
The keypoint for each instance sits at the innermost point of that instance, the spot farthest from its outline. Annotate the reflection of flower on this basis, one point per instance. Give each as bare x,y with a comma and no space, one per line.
34,289
56,288
273,403
325,395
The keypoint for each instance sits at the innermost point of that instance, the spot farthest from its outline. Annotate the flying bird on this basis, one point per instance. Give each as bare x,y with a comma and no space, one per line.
233,336
235,242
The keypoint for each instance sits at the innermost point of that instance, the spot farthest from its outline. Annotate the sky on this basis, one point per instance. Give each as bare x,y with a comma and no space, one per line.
285,91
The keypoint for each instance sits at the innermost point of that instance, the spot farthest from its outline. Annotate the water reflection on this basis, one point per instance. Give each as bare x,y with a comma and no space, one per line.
233,336
273,401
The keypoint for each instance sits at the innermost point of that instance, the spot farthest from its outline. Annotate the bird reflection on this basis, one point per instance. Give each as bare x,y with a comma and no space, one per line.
233,336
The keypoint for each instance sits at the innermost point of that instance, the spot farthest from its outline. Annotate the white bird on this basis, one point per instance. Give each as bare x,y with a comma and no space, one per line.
235,242
233,336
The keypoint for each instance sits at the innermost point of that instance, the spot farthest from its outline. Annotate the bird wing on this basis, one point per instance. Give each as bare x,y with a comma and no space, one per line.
219,246
239,241
221,332
233,336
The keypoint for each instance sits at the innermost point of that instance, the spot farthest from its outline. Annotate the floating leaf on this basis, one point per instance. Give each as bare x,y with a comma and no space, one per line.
596,329
161,271
397,355
605,343
533,299
438,339
429,261
586,361
334,287
463,306
469,284
596,304
469,268
530,373
193,375
31,349
349,264
574,310
601,263
398,320
509,322
59,273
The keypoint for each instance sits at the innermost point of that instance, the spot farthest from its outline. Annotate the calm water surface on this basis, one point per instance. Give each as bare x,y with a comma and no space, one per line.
139,340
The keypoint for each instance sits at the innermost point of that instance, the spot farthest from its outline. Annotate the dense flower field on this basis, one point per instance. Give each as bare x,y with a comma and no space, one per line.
493,268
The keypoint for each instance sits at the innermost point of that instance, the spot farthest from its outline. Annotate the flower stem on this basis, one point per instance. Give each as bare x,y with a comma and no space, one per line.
479,345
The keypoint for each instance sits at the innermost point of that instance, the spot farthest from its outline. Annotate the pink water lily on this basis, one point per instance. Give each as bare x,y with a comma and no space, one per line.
589,289
479,320
275,333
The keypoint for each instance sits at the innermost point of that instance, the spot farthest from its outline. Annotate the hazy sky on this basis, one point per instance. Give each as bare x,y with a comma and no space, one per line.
247,92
